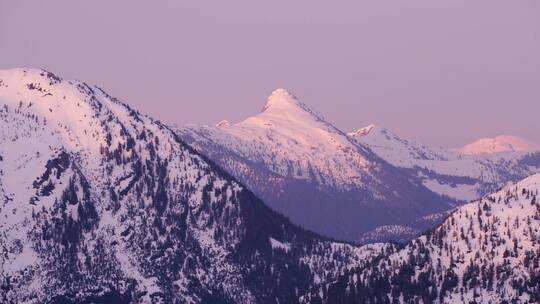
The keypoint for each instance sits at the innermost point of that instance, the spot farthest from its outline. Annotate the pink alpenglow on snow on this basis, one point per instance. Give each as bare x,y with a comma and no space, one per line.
499,144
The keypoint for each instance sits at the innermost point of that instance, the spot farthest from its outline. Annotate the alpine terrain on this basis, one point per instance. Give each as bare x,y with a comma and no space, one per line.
487,251
99,203
369,185
320,177
459,174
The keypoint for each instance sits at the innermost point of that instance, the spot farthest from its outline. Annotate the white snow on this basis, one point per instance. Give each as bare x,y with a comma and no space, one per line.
479,233
485,169
462,192
40,118
292,141
280,245
499,144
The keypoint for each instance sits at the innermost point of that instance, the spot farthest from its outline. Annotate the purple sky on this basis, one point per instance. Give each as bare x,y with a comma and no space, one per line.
444,72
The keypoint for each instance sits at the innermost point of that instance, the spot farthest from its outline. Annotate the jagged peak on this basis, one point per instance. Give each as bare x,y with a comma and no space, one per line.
223,124
370,130
362,131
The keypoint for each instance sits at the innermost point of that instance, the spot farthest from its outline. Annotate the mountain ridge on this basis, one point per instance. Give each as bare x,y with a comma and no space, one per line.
305,167
484,252
288,153
99,203
446,171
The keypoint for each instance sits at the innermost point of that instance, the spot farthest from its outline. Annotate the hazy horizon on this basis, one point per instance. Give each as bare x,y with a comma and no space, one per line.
445,72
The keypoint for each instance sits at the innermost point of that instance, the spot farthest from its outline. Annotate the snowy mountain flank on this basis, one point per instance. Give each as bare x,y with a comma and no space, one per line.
369,185
99,203
487,251
461,176
307,169
102,204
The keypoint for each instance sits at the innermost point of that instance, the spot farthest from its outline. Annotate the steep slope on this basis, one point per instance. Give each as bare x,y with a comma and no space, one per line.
459,176
304,167
487,251
499,144
99,203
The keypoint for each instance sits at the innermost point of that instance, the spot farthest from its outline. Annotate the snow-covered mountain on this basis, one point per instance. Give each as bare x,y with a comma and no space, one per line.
362,186
487,251
499,144
304,167
99,203
462,177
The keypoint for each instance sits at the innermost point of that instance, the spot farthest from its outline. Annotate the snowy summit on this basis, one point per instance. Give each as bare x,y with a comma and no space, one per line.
102,204
296,160
280,98
499,144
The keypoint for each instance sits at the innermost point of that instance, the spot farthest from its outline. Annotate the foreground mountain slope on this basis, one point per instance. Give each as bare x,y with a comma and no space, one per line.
306,168
487,251
99,203
454,174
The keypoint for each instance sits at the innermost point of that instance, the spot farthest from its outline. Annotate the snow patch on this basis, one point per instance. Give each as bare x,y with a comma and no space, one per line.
280,245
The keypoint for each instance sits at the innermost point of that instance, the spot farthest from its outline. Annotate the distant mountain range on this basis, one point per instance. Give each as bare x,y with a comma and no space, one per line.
460,176
365,186
102,204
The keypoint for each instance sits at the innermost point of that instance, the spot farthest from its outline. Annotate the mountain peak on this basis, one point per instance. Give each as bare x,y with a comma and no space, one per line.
372,131
362,131
72,156
30,77
30,74
280,98
499,144
223,124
